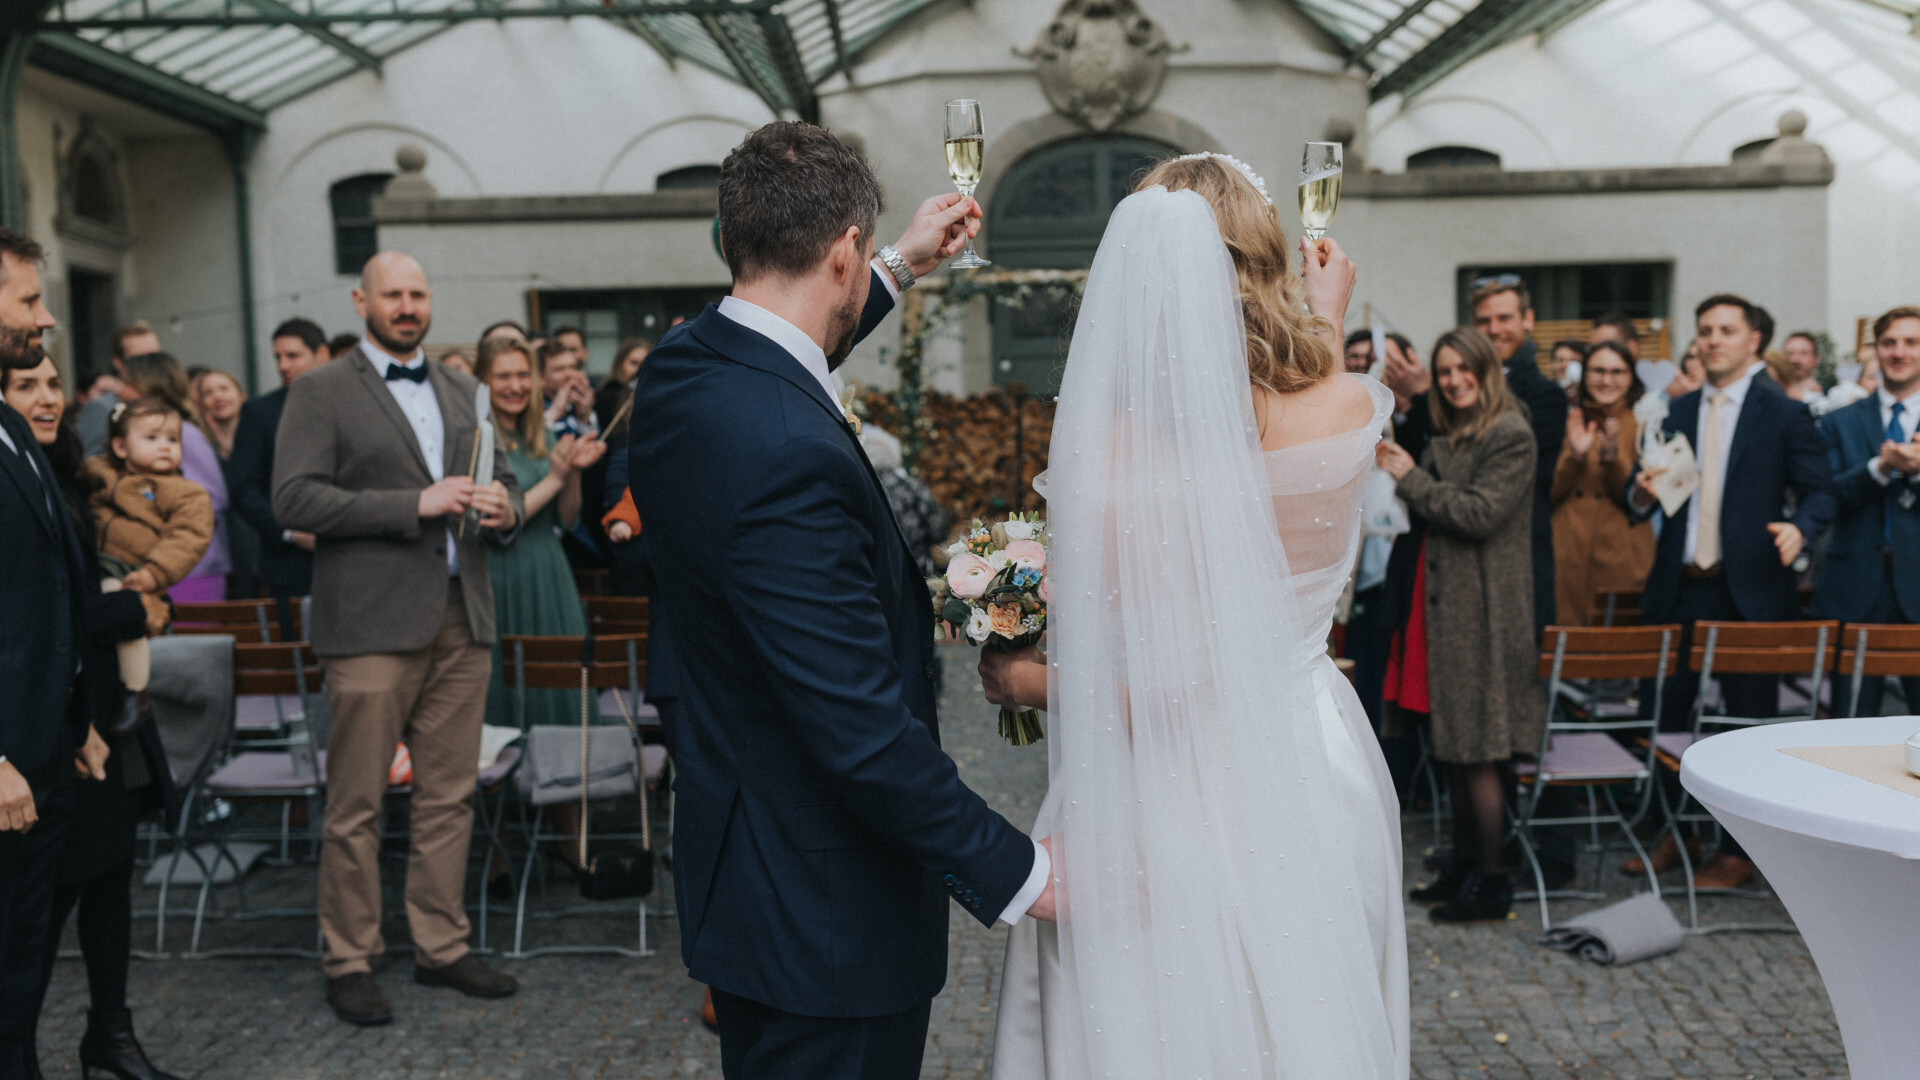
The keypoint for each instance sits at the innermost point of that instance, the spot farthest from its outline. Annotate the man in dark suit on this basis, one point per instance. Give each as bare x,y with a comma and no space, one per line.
819,829
1725,555
286,556
1876,478
42,633
1503,310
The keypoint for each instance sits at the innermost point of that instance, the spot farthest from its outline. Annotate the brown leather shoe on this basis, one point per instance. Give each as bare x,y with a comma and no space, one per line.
1724,871
708,1018
356,998
1666,856
469,976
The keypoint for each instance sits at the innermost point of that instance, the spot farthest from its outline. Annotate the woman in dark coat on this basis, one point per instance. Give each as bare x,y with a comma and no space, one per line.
95,870
1468,651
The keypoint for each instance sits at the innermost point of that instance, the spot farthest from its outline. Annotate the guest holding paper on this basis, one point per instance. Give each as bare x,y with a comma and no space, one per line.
1724,554
1875,456
372,459
1595,545
533,587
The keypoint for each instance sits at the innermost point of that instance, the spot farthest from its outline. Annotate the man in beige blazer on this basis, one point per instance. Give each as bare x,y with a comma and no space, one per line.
373,458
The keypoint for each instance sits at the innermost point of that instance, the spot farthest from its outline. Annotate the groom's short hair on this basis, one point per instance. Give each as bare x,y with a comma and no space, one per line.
786,194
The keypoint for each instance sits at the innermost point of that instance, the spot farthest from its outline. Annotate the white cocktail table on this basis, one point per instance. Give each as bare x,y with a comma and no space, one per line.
1844,856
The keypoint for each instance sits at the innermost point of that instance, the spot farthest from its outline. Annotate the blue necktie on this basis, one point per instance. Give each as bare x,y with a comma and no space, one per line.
411,374
1896,433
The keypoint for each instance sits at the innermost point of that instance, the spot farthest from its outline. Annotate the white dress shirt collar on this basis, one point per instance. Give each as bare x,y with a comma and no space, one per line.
784,334
1908,415
1736,390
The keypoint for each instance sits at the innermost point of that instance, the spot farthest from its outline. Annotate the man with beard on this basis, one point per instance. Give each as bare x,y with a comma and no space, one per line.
42,708
371,459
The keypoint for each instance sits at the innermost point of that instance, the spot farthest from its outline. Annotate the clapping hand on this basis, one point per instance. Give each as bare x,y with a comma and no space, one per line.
1580,433
452,495
1393,460
496,509
1610,443
1406,376
1903,458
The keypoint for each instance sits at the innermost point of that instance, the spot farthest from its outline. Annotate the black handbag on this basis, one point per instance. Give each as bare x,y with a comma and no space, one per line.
624,872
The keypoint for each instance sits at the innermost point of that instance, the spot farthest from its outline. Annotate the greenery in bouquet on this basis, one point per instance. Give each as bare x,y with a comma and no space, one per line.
995,596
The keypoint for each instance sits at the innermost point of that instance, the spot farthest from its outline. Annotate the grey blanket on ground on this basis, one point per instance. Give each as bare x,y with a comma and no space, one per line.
1619,933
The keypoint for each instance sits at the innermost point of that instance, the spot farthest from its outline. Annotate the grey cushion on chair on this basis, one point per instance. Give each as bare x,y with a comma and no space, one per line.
192,695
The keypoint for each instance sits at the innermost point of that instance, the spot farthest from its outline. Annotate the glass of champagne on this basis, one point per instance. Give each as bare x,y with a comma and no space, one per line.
1320,170
966,158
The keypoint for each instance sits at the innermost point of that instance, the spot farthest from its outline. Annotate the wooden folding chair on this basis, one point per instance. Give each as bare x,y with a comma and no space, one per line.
619,665
1878,650
1581,745
1616,607
1740,648
592,582
615,615
250,622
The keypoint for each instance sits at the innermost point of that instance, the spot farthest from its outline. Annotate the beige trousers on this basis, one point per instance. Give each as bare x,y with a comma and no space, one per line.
435,699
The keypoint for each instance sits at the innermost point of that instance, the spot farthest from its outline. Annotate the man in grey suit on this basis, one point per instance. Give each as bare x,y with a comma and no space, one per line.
372,459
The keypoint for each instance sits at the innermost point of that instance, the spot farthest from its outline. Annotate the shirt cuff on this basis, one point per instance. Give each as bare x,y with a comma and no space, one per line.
885,273
1030,892
1878,471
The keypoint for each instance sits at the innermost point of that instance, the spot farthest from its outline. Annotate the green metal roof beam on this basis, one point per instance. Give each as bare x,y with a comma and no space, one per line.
295,17
104,69
343,46
1358,54
1476,32
839,40
785,54
747,71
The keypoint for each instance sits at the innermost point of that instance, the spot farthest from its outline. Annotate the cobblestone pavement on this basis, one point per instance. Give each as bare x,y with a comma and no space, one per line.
1487,1001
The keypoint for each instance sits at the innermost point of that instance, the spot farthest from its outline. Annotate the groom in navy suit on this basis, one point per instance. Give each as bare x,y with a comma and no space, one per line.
1876,475
819,829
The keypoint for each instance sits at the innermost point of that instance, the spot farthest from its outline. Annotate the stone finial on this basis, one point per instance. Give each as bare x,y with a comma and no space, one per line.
412,183
1791,146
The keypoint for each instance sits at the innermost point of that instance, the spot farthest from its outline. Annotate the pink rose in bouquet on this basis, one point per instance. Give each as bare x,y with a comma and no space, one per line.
1029,554
968,575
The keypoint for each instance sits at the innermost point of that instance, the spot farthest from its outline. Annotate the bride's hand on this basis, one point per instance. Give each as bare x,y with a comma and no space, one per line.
1330,277
1014,679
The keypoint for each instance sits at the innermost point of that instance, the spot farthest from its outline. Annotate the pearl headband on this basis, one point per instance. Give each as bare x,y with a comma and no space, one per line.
1245,170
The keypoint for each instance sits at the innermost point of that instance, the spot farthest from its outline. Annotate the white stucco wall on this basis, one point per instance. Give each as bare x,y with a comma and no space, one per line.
1684,82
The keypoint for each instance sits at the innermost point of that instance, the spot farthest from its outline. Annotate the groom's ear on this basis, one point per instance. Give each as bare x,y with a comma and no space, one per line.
848,255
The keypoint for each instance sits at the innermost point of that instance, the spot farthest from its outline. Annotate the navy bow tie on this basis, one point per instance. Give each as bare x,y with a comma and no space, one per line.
414,374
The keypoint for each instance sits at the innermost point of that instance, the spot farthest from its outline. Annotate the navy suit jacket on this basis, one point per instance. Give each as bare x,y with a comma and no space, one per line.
1775,448
1849,581
285,567
819,829
43,624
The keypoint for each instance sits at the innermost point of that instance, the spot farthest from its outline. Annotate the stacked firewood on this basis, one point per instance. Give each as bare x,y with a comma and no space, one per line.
978,454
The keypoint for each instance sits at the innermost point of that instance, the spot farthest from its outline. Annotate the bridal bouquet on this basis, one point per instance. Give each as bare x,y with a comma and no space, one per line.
995,595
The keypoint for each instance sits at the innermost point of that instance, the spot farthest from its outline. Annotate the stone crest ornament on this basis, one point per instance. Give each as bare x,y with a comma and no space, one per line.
1100,61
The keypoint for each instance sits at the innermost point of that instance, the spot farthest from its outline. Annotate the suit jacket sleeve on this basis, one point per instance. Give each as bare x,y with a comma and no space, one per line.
251,490
879,303
1503,477
306,498
801,583
1810,473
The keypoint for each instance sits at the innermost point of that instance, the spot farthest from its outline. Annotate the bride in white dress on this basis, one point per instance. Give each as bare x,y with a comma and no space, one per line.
1225,839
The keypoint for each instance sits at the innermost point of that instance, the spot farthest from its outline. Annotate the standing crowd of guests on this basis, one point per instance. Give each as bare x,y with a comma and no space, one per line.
1528,503
165,484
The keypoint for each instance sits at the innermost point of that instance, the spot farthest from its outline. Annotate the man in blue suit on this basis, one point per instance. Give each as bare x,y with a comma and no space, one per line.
1726,555
1876,477
286,556
819,829
42,632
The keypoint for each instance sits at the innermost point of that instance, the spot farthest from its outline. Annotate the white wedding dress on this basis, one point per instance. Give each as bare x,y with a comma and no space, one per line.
1226,840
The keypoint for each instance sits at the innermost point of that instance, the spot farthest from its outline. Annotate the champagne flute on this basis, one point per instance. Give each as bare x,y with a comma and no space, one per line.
1320,169
966,158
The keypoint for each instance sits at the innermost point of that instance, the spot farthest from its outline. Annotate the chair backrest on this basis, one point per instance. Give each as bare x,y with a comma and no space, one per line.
282,667
1616,607
592,582
1873,650
615,614
1606,652
1759,648
252,621
616,662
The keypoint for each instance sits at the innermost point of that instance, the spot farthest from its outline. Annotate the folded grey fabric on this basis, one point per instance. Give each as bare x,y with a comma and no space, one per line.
192,695
550,771
1621,933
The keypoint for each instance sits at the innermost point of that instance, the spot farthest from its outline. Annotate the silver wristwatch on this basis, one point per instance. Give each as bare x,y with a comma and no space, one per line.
896,262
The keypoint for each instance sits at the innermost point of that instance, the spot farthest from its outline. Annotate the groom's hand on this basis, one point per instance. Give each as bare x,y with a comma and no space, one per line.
1043,908
1014,679
939,229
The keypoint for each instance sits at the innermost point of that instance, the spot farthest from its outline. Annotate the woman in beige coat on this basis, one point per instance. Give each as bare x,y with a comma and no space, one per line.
1474,604
1595,545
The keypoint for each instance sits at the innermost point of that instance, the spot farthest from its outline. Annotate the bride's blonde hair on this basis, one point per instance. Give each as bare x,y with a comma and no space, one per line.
1285,347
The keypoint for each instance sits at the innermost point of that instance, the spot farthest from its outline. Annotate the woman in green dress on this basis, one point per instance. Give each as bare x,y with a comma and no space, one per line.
533,587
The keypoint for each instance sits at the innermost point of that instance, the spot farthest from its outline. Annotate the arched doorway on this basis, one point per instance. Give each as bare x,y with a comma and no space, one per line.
1049,213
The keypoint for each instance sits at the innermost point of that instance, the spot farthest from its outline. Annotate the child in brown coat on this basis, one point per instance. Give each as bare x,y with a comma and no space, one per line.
154,525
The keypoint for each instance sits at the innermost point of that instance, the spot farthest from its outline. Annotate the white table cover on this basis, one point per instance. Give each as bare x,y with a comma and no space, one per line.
1844,856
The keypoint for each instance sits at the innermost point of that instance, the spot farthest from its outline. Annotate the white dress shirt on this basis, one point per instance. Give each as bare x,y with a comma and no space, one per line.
1909,420
422,409
813,358
7,440
1736,395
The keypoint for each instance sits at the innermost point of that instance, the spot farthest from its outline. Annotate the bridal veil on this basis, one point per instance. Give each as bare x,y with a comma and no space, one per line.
1211,922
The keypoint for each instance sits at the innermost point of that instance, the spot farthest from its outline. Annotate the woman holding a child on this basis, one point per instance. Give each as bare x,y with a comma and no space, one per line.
125,774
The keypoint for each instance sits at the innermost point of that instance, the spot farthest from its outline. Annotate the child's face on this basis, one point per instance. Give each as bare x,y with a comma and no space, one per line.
151,445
